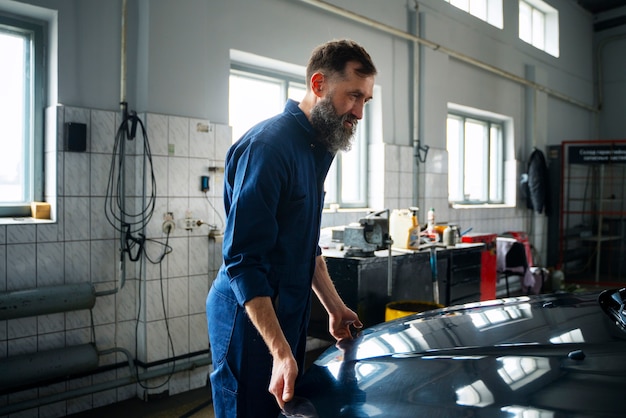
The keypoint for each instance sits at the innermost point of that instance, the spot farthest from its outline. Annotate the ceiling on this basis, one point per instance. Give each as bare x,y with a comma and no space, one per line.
597,7
600,6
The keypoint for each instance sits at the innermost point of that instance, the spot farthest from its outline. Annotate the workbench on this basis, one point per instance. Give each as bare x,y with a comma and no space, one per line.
362,281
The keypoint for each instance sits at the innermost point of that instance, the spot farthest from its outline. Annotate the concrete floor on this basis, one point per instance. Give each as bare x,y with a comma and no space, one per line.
193,404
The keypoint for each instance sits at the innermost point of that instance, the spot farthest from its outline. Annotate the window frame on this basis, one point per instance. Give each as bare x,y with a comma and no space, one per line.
360,142
334,182
34,119
493,10
493,173
543,35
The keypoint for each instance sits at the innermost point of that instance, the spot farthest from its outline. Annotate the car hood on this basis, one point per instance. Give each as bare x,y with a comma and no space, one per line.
545,356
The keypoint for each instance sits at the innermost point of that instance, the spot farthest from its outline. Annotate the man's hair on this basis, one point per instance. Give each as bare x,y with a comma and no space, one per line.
331,58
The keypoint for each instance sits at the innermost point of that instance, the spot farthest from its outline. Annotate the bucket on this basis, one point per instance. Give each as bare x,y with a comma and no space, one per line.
399,309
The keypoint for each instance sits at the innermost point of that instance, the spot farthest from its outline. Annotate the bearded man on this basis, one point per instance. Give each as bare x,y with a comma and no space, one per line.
259,304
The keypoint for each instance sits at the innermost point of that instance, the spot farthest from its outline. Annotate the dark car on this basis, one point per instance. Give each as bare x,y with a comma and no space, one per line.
557,355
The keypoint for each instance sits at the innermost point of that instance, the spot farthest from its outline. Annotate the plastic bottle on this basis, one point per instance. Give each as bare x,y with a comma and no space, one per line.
414,232
400,224
448,237
430,220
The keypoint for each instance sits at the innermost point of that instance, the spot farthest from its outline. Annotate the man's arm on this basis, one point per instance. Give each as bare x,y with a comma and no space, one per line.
340,316
284,369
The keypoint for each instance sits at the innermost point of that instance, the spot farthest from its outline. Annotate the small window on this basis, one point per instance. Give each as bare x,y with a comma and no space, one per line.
539,25
475,160
21,115
346,180
489,11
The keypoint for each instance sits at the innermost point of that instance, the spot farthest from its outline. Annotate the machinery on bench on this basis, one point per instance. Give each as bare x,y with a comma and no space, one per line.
370,234
368,273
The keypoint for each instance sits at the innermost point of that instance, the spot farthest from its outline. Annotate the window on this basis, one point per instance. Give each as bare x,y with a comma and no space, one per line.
539,25
489,11
475,159
21,115
346,183
255,96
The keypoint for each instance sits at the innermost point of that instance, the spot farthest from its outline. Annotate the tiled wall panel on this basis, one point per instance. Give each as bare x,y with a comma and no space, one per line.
82,246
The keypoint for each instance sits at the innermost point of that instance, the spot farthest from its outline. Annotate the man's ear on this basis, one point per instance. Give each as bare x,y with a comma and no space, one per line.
317,84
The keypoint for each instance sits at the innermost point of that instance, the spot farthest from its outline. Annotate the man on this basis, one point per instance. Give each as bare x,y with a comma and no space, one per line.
258,307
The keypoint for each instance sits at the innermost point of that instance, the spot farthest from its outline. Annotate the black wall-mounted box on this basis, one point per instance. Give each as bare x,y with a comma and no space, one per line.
75,137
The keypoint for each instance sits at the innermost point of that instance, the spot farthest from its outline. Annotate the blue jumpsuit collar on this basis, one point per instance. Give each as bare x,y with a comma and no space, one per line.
293,108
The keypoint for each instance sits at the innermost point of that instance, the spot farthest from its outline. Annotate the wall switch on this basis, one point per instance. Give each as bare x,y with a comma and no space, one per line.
204,183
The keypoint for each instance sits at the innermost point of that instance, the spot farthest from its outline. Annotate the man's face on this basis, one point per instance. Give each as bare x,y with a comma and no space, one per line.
336,115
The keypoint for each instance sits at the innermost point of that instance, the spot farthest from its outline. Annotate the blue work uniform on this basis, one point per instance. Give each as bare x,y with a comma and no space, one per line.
273,197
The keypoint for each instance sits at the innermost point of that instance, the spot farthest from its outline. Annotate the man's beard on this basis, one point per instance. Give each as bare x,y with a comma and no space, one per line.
332,131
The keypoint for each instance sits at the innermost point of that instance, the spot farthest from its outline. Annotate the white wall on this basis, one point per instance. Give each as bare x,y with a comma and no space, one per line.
610,45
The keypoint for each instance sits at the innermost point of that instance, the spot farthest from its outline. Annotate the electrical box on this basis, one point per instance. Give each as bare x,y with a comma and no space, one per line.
75,137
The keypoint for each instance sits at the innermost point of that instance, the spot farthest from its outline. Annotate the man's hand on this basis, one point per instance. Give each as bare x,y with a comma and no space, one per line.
339,325
340,317
284,373
284,369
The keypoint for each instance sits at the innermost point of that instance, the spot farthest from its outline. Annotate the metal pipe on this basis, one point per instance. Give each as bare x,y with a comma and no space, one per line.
389,272
599,67
123,56
454,54
122,167
26,369
600,74
416,107
87,390
46,300
129,357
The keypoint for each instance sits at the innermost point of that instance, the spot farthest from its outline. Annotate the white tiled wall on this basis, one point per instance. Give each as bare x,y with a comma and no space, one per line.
81,246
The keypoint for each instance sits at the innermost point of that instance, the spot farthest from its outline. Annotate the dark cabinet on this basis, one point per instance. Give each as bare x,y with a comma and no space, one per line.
461,283
362,281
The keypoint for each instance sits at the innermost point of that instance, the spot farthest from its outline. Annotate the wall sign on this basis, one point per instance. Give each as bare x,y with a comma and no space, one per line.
596,154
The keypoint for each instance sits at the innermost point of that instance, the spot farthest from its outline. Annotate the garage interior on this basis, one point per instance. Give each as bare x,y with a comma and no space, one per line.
111,331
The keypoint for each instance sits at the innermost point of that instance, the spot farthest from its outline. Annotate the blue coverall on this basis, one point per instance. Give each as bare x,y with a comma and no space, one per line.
273,196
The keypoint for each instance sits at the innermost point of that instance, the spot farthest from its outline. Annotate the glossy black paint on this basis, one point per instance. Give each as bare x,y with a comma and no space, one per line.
560,355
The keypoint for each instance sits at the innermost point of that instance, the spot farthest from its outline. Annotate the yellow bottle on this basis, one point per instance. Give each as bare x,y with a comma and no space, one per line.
414,232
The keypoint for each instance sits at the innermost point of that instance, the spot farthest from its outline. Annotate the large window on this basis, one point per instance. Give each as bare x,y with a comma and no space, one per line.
475,159
21,115
539,25
488,10
257,94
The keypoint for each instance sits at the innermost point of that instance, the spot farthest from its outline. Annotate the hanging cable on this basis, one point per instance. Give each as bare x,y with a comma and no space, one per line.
130,223
206,194
167,249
